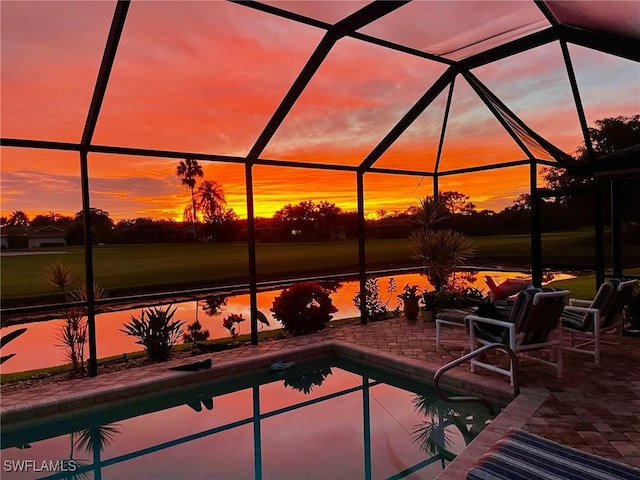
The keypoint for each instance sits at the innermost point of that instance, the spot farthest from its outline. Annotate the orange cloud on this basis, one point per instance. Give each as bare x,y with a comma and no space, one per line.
207,76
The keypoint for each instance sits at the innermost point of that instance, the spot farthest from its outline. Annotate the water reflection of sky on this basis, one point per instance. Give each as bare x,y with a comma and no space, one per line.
37,347
297,437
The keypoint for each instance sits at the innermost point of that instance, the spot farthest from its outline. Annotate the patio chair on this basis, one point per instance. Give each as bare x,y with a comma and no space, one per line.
533,324
521,455
587,321
456,317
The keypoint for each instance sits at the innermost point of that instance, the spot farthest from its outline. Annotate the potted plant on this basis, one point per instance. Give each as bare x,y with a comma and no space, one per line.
410,297
429,299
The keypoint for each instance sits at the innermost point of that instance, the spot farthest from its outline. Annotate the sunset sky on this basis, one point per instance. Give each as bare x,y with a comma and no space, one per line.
207,76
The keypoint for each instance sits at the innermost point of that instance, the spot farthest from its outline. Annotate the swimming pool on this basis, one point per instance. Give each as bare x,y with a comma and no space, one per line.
328,419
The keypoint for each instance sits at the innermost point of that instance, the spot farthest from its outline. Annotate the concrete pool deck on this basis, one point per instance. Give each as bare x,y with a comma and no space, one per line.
594,408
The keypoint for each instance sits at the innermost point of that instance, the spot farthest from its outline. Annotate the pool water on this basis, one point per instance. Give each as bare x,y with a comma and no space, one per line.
320,420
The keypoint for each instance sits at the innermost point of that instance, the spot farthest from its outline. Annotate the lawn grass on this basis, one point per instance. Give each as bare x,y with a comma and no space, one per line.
122,269
584,286
130,269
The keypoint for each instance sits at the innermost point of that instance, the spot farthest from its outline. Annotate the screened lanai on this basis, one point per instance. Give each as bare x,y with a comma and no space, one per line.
366,104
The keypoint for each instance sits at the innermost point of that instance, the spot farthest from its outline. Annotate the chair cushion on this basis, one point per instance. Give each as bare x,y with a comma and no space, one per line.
573,320
543,317
520,455
584,322
620,297
519,311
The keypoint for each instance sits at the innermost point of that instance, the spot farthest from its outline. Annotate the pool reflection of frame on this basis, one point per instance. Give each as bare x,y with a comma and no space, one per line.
92,430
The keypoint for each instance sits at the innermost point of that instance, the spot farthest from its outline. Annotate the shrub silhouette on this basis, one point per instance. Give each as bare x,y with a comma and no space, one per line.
303,307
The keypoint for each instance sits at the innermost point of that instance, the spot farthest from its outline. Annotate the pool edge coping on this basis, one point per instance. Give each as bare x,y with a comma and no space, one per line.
165,381
516,414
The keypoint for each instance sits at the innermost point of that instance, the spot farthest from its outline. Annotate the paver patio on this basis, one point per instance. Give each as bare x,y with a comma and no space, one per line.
595,408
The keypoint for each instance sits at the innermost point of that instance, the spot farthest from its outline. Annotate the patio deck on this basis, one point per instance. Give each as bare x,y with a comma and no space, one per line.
594,408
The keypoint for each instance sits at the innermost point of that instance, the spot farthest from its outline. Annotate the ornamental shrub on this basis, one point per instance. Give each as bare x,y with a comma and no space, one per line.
303,307
156,331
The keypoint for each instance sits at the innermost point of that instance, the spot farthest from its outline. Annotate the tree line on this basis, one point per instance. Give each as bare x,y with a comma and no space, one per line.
322,220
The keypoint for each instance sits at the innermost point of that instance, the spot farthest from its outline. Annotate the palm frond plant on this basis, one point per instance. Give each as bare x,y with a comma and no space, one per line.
441,251
61,276
306,383
72,333
80,294
431,434
188,171
96,438
8,338
156,331
430,213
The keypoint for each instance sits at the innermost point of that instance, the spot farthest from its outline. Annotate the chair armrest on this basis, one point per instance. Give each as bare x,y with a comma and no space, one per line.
491,321
510,327
571,308
579,303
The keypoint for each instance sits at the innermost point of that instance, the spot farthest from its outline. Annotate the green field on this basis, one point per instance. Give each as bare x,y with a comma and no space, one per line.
128,269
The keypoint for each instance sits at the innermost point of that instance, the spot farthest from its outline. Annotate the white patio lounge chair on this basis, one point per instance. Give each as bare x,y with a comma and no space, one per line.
534,324
587,321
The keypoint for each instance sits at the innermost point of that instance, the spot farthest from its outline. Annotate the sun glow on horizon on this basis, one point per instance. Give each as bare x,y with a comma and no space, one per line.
207,77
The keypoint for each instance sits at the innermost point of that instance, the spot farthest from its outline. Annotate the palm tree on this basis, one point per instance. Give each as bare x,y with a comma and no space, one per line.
433,433
441,250
210,200
18,219
188,171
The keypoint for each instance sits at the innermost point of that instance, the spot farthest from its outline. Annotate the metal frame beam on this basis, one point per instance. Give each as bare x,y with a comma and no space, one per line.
489,101
406,121
509,49
348,25
362,257
443,130
625,47
577,100
115,32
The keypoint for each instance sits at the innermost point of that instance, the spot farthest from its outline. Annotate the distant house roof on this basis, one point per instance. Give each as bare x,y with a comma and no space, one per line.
31,232
48,231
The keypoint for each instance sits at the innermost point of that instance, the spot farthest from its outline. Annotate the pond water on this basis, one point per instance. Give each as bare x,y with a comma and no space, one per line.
39,348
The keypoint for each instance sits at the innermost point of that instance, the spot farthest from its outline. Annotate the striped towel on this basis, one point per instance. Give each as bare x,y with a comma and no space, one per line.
520,455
